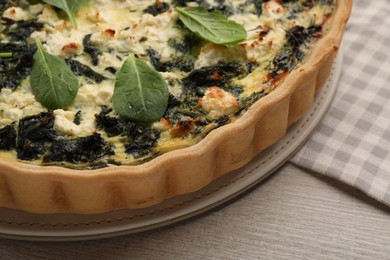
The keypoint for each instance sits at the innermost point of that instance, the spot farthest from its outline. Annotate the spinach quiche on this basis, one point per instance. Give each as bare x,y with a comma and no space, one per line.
124,103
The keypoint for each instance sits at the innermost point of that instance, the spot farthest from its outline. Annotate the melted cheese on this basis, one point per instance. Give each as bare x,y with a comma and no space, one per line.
217,102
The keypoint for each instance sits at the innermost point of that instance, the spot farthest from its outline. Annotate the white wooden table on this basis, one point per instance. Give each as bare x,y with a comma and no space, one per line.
293,214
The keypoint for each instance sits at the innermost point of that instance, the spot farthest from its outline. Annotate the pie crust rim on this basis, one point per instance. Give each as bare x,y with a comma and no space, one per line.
53,189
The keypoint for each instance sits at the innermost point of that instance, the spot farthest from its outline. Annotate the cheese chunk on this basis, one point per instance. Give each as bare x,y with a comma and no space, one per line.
217,102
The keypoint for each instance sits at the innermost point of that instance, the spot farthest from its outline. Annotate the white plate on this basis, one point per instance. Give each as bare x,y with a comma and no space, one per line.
69,227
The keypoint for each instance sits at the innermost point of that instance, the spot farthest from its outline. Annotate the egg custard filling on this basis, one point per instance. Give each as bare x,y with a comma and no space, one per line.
176,58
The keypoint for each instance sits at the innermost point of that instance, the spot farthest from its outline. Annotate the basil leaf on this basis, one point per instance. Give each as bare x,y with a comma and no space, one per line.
68,6
141,94
6,55
53,83
213,27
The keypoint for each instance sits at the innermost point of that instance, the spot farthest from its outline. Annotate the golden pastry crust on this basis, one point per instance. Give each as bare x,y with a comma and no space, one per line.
51,189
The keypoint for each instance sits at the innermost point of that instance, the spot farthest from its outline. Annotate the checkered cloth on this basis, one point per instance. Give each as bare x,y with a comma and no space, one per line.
352,143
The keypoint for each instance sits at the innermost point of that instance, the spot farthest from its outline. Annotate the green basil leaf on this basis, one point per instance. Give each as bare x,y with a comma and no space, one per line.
68,6
53,83
6,55
213,27
141,94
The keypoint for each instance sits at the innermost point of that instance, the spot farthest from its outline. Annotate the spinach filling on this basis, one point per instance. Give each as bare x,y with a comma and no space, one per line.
83,70
220,5
157,8
4,4
185,65
291,54
140,139
78,118
113,126
91,49
19,31
34,134
15,69
258,4
8,138
219,75
88,149
37,138
34,137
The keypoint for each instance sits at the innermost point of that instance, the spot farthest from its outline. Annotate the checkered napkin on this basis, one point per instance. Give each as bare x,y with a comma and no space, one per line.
352,143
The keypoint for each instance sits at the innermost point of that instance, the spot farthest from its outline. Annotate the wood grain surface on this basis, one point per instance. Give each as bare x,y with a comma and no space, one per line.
292,215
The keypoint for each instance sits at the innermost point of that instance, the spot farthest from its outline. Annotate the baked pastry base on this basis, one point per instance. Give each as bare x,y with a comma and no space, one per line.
42,189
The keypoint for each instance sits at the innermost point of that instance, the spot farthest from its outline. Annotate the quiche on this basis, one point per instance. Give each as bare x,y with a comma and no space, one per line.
122,104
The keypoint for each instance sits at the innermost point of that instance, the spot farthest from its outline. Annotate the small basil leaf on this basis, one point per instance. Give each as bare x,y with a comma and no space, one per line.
213,27
141,94
53,83
6,55
68,6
